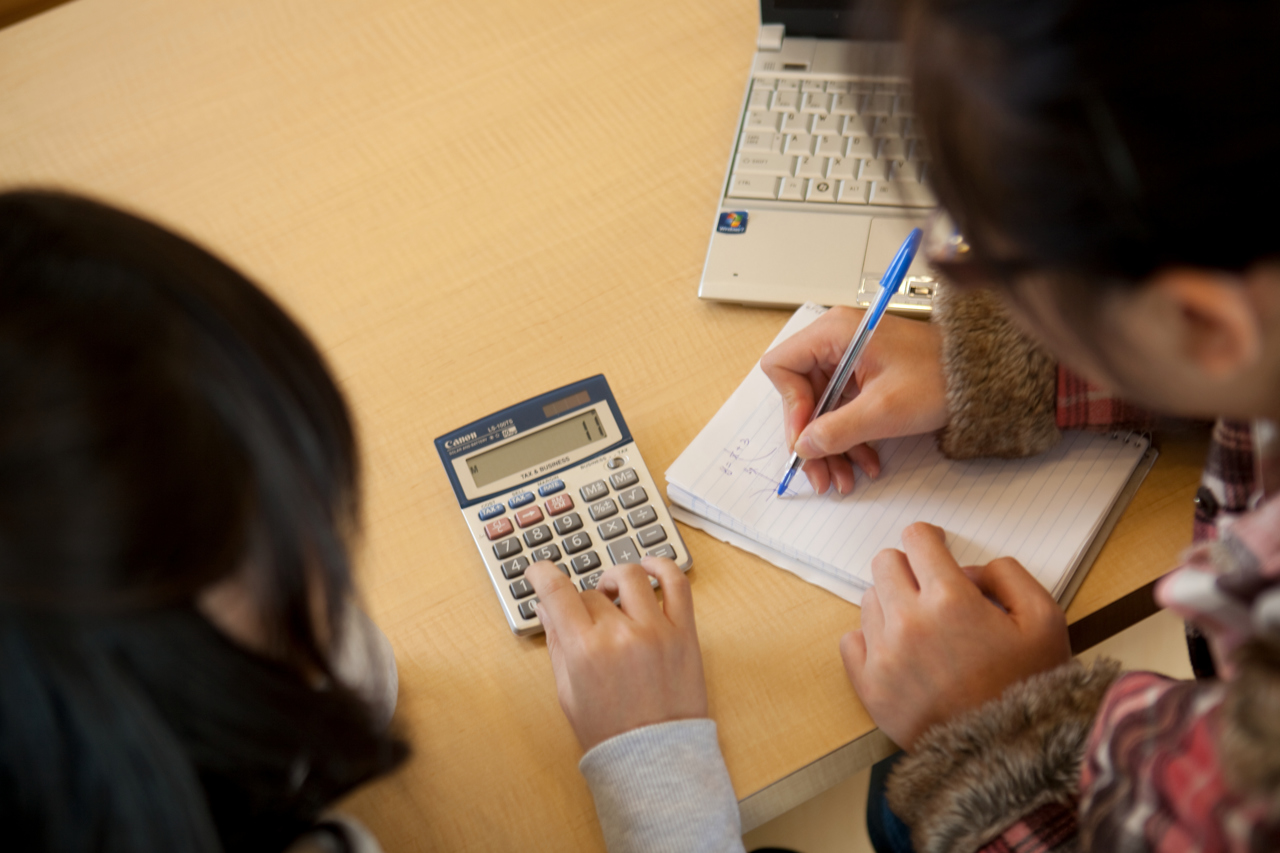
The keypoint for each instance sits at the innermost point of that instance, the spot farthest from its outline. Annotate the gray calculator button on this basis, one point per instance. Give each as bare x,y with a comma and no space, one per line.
623,551
651,536
546,552
642,516
622,479
593,491
537,535
575,543
662,551
568,523
611,528
521,589
604,509
632,497
585,562
507,548
514,568
590,581
526,609
564,570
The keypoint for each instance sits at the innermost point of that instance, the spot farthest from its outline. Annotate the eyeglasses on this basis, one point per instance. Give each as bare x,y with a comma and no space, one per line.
950,253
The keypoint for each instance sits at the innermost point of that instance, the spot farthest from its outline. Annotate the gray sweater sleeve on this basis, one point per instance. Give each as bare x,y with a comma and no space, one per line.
664,788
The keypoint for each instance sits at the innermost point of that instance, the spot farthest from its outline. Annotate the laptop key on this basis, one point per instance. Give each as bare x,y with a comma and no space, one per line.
785,102
753,186
832,146
761,120
854,192
793,189
762,141
800,143
811,167
823,190
753,163
902,194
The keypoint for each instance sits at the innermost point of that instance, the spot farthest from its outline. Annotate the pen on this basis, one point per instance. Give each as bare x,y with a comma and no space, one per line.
889,284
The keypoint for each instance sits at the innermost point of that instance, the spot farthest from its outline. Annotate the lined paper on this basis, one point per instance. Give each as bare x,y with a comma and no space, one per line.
1043,511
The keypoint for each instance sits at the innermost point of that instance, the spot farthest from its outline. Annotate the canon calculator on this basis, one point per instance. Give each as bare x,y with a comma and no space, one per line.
557,477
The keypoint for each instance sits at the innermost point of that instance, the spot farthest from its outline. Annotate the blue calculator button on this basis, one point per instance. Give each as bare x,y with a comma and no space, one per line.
551,487
491,511
521,499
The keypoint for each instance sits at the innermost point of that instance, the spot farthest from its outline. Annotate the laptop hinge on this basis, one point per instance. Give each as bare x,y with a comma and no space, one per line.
770,37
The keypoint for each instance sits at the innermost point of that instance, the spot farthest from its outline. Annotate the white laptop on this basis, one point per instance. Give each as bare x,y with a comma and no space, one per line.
828,170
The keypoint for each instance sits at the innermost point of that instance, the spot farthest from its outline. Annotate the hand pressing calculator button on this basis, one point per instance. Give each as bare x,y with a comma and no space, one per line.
537,459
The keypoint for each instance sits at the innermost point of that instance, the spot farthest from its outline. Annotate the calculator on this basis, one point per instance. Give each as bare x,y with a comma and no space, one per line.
557,477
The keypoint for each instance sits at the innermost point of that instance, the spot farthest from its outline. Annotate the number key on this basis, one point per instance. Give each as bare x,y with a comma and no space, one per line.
537,535
585,562
568,523
514,568
546,552
526,609
575,543
521,589
507,548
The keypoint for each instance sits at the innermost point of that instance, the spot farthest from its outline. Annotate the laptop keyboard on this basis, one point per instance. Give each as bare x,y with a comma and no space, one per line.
831,142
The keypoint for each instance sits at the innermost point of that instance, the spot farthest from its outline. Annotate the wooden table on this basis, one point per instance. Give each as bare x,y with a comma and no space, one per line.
467,203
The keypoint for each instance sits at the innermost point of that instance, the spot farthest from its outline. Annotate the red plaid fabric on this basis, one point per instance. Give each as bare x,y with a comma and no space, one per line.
1085,406
1049,829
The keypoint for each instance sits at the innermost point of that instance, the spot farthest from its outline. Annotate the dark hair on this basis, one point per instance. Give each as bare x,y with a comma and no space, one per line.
165,425
1102,140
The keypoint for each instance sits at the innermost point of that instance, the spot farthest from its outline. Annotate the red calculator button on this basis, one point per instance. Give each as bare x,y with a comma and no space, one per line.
559,504
525,517
498,528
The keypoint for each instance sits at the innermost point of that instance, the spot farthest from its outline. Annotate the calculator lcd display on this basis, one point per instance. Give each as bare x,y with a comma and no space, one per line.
541,446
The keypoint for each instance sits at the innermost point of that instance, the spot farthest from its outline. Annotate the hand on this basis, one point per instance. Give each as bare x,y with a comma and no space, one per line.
898,389
620,668
932,644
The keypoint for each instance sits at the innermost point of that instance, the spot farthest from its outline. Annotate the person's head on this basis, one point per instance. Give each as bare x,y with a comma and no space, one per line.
173,450
1111,166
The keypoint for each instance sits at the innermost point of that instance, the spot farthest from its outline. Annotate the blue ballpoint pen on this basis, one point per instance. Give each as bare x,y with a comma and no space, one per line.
889,284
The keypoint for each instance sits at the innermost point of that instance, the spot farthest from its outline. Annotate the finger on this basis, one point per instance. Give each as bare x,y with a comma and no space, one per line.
629,583
841,473
931,562
812,352
858,421
895,584
819,475
853,651
866,458
677,596
872,618
558,601
1013,588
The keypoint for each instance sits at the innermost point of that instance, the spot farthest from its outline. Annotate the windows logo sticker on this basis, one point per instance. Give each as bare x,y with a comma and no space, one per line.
732,222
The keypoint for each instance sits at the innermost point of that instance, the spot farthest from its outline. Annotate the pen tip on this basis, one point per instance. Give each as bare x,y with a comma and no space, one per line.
782,487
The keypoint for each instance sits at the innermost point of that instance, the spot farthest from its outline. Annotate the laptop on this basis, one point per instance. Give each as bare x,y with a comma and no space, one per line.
828,169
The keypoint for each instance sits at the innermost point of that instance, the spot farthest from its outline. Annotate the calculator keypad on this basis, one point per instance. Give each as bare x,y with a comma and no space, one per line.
568,523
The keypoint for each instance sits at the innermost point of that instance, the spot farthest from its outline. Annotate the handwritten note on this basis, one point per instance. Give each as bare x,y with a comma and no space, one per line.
1043,511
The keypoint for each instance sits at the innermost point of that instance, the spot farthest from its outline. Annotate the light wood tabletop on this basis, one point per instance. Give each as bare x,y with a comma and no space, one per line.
468,202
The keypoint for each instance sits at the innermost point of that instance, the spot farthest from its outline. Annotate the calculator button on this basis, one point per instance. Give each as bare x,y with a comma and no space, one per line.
575,543
539,535
564,570
507,548
593,491
611,528
521,499
591,581
622,479
585,562
546,552
651,536
642,516
499,528
662,551
559,504
628,499
604,509
514,568
525,517
568,524
623,551
492,510
551,487
521,589
526,609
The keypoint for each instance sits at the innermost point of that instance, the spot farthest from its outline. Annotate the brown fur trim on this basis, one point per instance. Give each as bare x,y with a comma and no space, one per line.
1250,739
1001,387
970,778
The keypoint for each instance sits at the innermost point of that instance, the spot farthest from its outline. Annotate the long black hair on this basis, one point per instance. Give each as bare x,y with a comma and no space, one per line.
1102,141
163,426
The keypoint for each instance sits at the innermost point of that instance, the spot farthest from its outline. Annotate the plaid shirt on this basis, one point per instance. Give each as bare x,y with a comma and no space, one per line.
1152,777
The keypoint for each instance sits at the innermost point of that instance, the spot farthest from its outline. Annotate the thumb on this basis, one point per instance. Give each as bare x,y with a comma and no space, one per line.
854,423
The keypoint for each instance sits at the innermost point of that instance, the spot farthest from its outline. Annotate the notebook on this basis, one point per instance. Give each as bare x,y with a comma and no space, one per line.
1051,512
